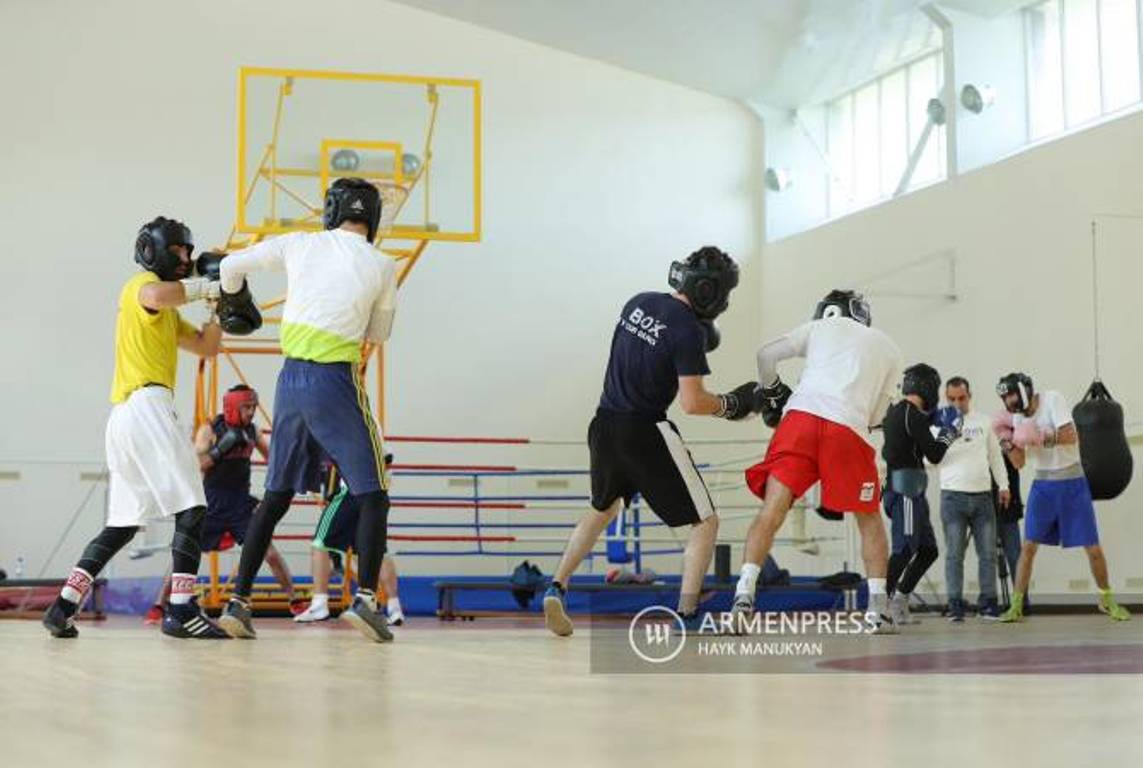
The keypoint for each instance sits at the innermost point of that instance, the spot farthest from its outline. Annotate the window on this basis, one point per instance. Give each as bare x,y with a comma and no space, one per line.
872,131
1082,62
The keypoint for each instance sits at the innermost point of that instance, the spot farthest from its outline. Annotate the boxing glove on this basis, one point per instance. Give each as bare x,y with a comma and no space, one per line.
237,313
230,440
773,402
740,402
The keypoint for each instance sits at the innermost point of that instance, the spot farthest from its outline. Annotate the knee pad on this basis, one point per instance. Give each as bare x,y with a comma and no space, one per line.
104,546
188,532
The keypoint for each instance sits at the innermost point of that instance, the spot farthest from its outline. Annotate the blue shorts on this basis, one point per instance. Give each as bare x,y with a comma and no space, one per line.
1061,512
226,513
322,408
911,527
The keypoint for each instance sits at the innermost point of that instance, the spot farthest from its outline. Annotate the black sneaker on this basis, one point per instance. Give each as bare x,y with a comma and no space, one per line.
235,620
59,622
370,622
188,621
956,611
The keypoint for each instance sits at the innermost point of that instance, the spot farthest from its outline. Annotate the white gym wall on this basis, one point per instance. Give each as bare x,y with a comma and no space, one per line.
595,178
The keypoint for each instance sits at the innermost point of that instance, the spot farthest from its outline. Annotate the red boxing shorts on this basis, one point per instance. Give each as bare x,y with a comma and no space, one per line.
807,448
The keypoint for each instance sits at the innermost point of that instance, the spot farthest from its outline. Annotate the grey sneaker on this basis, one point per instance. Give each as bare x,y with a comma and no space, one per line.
235,620
741,613
899,610
885,625
368,620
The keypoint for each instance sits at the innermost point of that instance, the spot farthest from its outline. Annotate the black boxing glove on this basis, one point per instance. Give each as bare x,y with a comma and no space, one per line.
208,265
237,313
230,440
711,336
774,398
739,402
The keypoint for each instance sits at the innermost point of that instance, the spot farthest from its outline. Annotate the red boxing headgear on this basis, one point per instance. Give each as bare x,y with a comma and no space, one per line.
236,397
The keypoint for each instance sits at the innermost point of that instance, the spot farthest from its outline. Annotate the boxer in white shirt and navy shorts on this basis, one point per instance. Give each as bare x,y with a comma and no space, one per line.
341,292
850,377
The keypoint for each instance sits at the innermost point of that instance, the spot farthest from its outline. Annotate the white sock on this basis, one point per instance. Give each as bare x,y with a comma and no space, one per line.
394,605
319,600
878,601
748,581
78,582
182,588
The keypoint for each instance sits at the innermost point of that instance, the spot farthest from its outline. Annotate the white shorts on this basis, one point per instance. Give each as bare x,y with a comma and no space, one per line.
153,468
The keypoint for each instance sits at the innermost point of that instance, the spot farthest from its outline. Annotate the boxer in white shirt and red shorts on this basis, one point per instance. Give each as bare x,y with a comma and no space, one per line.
850,377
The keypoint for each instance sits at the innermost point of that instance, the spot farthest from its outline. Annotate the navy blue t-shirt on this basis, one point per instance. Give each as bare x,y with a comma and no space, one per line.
657,340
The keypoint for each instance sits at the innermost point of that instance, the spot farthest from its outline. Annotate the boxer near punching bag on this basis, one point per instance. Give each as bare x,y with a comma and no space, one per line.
1104,453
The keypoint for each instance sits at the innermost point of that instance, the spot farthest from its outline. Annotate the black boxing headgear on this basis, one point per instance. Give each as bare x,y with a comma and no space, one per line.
153,248
352,200
706,278
1019,384
924,381
839,303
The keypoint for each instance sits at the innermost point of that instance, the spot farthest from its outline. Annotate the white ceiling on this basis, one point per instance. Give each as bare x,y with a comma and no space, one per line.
777,52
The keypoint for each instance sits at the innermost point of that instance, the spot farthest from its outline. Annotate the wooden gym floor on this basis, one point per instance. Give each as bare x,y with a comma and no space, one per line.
505,693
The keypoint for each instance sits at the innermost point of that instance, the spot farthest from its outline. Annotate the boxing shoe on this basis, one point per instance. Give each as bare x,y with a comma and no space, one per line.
58,622
187,621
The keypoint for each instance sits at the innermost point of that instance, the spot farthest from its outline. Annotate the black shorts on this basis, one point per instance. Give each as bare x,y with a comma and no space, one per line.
337,528
227,515
632,455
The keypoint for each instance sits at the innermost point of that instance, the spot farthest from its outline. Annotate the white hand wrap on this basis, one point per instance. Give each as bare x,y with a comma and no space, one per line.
197,288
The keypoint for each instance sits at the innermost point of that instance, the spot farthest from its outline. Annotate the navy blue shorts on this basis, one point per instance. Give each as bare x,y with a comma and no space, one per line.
1061,512
337,528
322,408
226,514
911,527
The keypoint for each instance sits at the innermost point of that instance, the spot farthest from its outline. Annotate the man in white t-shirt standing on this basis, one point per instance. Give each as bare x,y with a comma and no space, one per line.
340,292
1060,509
967,472
850,377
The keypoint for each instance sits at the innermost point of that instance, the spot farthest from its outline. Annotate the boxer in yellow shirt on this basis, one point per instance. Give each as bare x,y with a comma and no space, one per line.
152,465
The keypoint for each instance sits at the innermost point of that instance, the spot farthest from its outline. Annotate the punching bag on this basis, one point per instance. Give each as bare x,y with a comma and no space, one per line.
1106,457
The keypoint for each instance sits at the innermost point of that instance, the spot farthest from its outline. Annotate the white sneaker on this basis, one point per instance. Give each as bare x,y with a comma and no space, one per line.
396,615
899,610
316,612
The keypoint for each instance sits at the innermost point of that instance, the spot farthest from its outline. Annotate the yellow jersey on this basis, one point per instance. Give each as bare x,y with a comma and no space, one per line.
146,341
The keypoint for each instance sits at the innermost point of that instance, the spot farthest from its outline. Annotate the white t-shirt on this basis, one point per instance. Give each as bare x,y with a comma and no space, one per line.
974,459
852,372
1053,412
340,291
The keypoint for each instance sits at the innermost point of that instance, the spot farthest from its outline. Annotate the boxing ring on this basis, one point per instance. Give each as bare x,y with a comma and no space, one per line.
476,506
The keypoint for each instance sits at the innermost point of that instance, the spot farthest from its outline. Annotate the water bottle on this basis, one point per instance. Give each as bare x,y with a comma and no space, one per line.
19,567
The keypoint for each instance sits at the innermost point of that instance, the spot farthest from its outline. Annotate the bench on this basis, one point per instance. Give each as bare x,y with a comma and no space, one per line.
28,598
446,592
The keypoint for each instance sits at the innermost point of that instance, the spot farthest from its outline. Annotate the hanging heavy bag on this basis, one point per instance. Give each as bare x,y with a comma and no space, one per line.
1106,457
